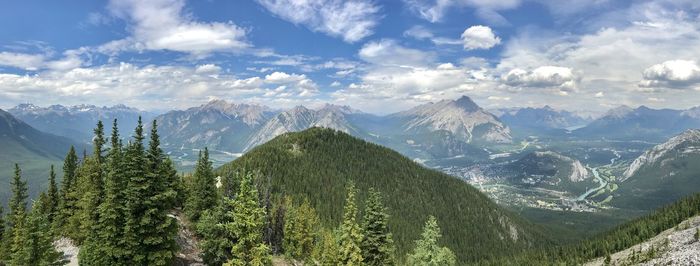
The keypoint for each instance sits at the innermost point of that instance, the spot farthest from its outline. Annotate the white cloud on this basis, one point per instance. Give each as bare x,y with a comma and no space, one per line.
479,37
23,61
389,52
562,78
435,10
351,20
599,94
163,25
678,74
421,33
208,69
140,86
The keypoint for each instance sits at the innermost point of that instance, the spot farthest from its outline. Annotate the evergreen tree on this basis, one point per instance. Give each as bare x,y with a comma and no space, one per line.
89,190
427,251
377,244
106,245
158,229
13,248
2,232
52,197
67,195
697,234
202,193
135,191
327,251
37,248
246,226
350,240
300,231
149,232
216,242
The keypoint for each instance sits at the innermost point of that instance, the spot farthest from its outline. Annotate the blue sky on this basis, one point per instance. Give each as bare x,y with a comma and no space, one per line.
378,56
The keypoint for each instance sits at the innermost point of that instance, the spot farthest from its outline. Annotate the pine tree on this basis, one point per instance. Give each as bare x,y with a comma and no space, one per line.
89,190
67,195
149,232
158,228
13,249
106,246
327,249
202,193
377,244
300,231
697,234
52,197
427,251
37,240
350,240
246,226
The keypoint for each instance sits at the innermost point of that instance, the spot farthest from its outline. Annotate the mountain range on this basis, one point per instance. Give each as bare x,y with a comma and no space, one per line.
77,122
539,120
642,123
237,128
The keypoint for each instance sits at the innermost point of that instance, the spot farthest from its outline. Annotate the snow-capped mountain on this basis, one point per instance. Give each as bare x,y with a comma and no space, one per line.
300,118
217,125
76,122
545,118
461,117
686,143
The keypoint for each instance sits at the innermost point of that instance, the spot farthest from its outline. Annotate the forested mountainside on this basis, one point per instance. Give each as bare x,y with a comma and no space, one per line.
37,150
620,238
309,165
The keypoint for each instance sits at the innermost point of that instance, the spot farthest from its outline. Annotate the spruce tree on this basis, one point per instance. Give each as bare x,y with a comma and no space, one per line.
17,230
202,194
37,240
300,231
246,226
106,245
350,252
135,191
149,232
52,197
89,190
158,228
67,200
377,244
327,249
427,251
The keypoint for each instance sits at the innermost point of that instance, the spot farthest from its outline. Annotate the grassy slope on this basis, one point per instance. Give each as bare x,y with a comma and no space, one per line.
317,164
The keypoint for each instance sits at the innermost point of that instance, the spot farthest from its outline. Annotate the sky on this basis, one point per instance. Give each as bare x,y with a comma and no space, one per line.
376,56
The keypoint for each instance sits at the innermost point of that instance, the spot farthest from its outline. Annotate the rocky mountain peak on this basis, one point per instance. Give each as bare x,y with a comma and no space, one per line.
467,104
689,141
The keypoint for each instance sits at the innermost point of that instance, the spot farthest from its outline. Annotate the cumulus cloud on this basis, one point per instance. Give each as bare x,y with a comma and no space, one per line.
674,74
21,60
562,78
351,20
434,11
163,25
140,86
390,52
479,37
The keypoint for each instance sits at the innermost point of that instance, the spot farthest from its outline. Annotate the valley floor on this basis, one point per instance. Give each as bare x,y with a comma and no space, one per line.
675,246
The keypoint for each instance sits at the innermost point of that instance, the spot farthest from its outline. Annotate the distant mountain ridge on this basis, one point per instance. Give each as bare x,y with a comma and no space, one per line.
77,122
237,128
642,123
544,117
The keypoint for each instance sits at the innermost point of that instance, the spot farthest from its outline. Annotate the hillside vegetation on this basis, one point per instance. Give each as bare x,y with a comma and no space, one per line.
317,164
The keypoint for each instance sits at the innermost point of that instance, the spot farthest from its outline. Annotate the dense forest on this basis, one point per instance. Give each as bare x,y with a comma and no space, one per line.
317,164
296,200
119,205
